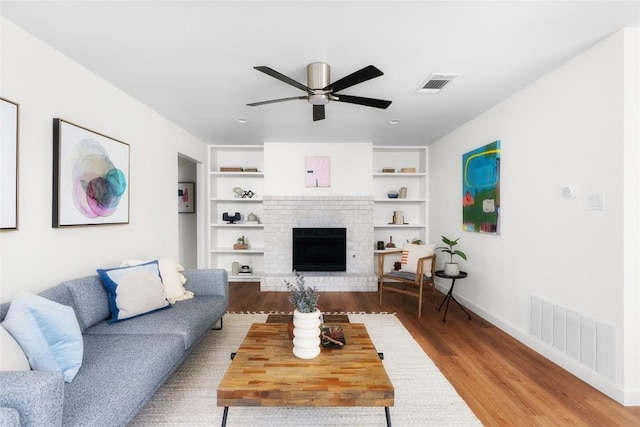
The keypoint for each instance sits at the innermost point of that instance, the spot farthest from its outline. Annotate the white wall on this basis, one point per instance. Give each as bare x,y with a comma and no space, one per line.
48,85
284,165
566,128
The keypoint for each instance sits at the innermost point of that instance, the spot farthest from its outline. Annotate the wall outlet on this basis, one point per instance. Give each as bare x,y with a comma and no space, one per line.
595,202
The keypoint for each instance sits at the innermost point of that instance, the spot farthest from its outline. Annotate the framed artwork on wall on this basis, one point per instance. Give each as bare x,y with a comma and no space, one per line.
9,134
481,189
318,171
90,177
186,197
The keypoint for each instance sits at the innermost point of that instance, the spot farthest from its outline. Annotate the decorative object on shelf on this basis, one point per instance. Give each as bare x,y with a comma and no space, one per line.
451,268
402,193
415,241
392,194
250,169
332,336
398,217
318,171
408,170
380,245
390,245
245,270
252,219
231,219
90,179
306,318
235,268
243,243
481,189
10,119
186,197
240,193
231,169
388,170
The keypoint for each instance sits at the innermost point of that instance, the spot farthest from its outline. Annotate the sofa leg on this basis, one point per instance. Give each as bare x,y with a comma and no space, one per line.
216,327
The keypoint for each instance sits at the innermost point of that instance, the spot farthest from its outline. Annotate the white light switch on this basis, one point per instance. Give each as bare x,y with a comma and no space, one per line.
595,202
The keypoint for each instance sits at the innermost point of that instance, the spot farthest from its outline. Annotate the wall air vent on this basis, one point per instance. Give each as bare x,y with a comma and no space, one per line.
436,82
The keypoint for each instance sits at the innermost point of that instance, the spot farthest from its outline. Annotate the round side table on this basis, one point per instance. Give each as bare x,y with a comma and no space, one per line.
449,296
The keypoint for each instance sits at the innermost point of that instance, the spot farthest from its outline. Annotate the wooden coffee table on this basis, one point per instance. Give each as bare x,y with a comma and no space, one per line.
264,372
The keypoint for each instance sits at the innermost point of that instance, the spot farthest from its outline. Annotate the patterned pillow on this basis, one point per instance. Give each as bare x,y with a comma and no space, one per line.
134,291
412,253
48,333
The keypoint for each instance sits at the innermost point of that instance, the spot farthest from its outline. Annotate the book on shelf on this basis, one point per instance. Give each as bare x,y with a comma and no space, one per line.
230,169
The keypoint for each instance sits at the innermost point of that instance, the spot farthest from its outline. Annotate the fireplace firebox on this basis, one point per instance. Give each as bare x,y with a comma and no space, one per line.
320,249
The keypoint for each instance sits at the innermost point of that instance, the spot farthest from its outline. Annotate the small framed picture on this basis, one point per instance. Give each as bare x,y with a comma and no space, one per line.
318,171
186,197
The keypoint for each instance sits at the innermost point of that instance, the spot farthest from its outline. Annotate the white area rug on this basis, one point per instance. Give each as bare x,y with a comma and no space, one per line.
423,397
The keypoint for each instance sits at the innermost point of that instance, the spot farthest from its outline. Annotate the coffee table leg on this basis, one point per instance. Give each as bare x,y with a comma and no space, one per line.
388,414
224,416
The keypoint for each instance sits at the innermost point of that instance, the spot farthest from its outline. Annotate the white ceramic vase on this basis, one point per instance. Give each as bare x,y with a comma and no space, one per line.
306,334
451,269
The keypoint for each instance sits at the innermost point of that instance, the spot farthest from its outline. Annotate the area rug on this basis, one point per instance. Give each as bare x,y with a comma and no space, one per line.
423,396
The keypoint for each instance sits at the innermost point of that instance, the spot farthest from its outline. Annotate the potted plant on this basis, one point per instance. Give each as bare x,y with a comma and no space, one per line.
451,268
306,318
242,243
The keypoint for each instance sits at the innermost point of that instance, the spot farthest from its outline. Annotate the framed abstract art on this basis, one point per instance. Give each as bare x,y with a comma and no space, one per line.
90,177
481,189
9,125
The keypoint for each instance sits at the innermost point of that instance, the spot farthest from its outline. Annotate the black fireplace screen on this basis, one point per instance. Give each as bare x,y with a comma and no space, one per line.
320,249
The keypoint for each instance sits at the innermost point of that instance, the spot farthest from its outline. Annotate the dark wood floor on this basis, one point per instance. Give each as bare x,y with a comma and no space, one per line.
503,381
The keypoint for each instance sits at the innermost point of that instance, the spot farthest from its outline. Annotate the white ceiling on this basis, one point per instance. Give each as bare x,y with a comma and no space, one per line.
192,61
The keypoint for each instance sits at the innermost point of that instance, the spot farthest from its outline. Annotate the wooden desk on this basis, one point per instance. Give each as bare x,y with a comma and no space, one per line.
264,372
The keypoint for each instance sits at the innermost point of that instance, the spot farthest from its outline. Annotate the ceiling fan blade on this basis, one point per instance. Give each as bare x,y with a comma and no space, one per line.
318,112
288,80
367,73
273,101
369,102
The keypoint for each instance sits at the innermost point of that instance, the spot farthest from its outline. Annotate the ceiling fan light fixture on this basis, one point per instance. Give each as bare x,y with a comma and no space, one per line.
318,99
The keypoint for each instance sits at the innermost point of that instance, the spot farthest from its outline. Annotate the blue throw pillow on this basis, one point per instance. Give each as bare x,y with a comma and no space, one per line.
134,291
48,333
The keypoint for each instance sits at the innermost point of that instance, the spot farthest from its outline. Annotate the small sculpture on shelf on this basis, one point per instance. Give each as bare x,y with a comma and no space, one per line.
231,219
240,193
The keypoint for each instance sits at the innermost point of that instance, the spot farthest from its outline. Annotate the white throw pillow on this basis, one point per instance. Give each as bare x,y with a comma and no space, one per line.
12,357
412,253
172,279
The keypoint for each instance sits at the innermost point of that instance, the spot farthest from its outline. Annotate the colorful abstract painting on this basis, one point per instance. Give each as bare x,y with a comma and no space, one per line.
481,189
91,177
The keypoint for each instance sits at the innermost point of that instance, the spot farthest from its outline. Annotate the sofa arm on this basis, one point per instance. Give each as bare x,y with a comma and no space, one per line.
211,282
38,396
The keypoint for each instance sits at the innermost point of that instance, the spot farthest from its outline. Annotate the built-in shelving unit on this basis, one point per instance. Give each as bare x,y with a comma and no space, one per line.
222,198
413,207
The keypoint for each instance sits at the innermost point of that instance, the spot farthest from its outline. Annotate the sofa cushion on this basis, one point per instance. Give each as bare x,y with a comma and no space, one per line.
134,291
119,371
47,332
90,299
187,319
172,279
12,357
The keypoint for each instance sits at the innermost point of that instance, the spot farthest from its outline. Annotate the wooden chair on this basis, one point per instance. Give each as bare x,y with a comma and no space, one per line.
424,276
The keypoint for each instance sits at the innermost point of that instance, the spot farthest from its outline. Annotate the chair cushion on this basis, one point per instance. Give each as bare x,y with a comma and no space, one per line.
405,275
412,253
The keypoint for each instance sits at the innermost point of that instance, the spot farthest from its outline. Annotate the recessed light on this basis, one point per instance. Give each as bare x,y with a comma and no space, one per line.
394,122
242,120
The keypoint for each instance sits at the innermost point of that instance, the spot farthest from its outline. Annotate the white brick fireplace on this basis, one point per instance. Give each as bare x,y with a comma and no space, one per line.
283,213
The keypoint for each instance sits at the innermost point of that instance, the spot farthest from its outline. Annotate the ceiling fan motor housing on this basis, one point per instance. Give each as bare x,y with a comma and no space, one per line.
318,77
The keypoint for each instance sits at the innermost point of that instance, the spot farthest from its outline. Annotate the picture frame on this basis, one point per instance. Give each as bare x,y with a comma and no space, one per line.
481,189
91,177
9,145
318,171
186,197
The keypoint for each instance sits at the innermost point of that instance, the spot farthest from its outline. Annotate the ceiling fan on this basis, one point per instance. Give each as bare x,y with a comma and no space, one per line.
320,91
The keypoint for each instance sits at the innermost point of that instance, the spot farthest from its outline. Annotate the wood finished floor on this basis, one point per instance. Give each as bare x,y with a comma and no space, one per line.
503,381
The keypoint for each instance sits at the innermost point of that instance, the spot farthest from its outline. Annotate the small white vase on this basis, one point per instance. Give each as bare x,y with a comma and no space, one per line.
306,334
451,269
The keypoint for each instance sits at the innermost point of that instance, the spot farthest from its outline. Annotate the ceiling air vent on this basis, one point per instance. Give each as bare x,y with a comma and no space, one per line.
436,82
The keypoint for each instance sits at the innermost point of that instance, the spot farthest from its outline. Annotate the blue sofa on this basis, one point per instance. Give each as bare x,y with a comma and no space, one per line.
123,364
